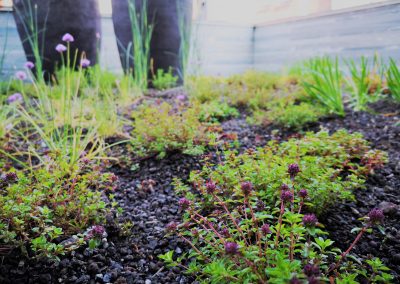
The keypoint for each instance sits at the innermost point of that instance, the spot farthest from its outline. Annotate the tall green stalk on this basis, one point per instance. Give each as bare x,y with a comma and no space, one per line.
141,36
35,34
393,79
359,83
326,83
185,32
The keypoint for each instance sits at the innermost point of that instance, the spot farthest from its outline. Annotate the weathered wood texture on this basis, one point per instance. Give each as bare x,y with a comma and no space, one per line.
347,35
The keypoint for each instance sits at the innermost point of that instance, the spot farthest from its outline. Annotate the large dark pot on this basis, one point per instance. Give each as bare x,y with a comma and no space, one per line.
80,18
166,39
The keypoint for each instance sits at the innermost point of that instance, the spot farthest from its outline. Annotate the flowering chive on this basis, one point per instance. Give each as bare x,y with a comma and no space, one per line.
68,38
29,65
21,75
85,63
61,48
17,97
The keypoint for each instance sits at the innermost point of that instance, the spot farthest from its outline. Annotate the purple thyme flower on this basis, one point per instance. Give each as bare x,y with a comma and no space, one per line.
85,63
260,205
311,270
303,193
293,170
211,187
231,248
68,38
284,187
265,229
295,280
246,187
310,220
61,48
376,216
97,231
11,177
313,280
181,98
21,75
171,227
29,65
184,203
286,196
225,232
17,97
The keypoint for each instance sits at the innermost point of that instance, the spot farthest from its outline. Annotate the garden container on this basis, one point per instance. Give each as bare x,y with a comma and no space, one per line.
166,39
53,19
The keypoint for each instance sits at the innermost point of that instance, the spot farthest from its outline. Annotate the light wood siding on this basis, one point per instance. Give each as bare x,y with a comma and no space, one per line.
348,34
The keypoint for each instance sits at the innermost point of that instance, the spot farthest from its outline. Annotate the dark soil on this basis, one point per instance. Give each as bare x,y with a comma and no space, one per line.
149,202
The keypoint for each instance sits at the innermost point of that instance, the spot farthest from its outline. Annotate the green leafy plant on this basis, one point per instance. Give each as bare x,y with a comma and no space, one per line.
393,80
326,83
215,111
363,89
332,167
139,50
42,207
236,238
161,129
290,116
164,80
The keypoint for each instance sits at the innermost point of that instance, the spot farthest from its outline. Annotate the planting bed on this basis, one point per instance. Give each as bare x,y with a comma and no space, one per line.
130,254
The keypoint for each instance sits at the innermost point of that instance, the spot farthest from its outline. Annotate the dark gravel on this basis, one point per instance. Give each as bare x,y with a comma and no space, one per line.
149,202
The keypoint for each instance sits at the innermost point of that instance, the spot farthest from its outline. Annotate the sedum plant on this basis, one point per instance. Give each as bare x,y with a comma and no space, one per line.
40,208
332,166
236,238
326,83
164,80
162,129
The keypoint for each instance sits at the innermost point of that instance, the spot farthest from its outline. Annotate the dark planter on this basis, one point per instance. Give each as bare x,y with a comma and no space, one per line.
54,19
166,38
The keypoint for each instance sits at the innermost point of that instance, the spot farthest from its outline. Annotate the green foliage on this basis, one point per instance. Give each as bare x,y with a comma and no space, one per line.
215,111
164,80
161,129
50,203
139,50
290,116
326,83
393,80
332,166
235,239
363,87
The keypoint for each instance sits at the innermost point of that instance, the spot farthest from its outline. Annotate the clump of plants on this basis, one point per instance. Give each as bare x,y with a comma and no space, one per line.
164,80
236,238
159,129
215,111
43,207
393,80
289,116
332,167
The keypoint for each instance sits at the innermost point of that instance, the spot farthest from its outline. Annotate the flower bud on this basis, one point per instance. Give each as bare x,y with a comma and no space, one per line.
231,248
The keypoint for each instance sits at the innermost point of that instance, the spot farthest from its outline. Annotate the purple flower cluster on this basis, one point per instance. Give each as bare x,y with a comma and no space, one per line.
68,38
97,232
9,178
231,248
303,193
184,203
376,216
246,187
21,75
17,97
60,48
265,229
85,63
171,227
30,65
211,187
286,196
310,220
293,170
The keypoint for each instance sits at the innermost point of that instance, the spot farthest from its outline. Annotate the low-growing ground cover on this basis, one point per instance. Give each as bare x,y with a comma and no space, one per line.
239,213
